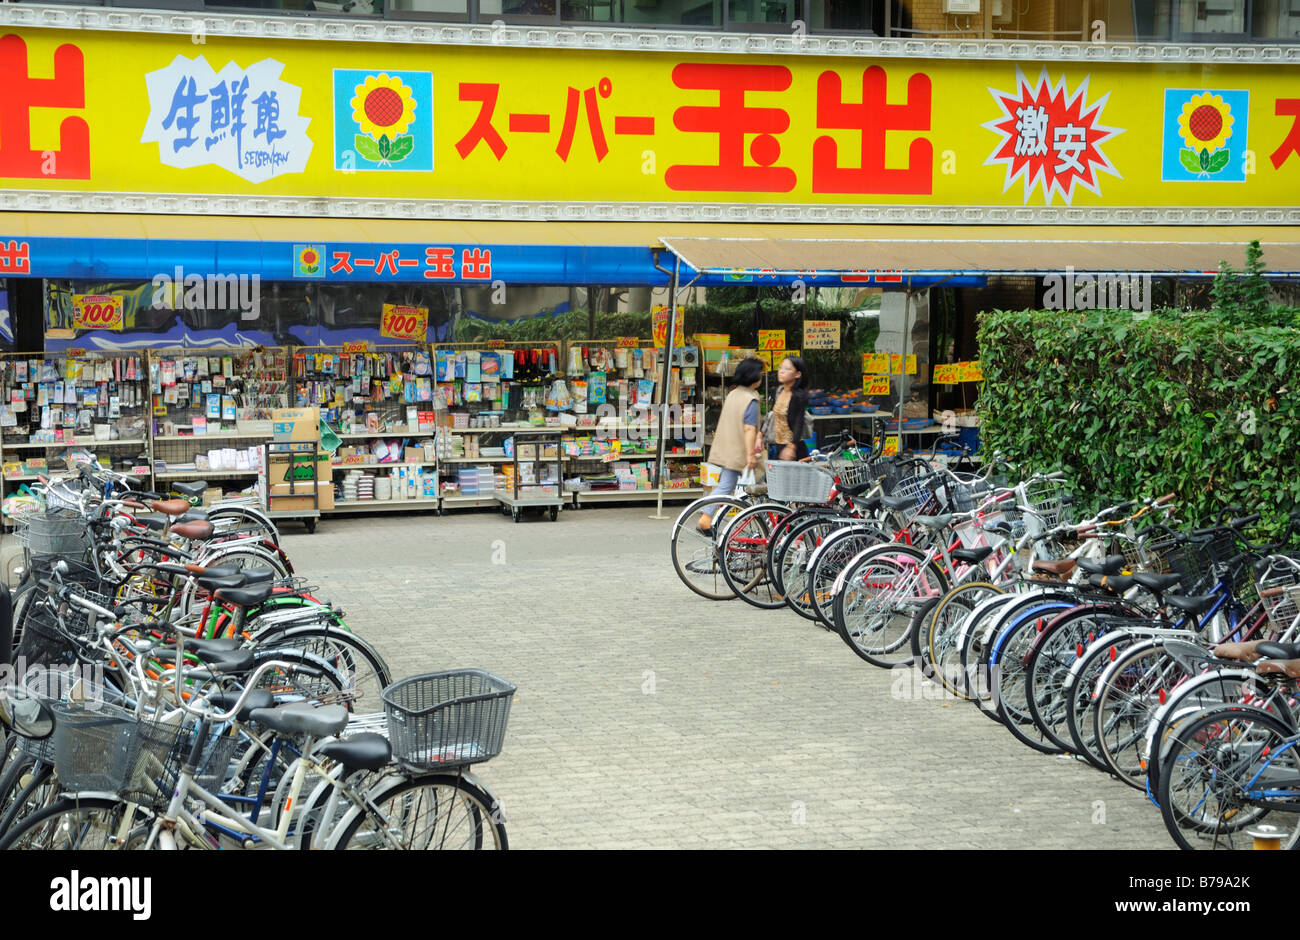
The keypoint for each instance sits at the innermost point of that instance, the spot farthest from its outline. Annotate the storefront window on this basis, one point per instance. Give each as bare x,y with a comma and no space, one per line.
676,13
763,14
542,12
858,16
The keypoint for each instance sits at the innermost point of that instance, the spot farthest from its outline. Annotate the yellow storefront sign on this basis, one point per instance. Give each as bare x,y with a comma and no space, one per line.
96,312
311,119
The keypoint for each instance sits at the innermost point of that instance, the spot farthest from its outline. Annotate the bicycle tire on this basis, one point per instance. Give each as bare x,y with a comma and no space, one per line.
826,568
363,670
694,551
33,788
463,817
742,552
790,564
1081,685
245,517
879,592
1124,707
1006,662
1054,651
1215,767
942,630
980,641
79,824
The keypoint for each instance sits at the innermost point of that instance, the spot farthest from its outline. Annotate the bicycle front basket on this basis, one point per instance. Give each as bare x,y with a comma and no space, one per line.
789,481
443,720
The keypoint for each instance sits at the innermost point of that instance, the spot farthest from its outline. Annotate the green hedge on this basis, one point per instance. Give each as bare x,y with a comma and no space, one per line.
1190,403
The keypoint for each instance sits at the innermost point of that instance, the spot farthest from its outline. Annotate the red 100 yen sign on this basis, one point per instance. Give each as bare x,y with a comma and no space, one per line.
96,312
410,323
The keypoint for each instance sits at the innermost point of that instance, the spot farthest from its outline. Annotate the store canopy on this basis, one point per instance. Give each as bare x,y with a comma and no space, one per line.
111,247
996,251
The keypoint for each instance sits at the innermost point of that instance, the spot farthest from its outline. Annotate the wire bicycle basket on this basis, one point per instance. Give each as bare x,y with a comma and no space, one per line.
789,481
443,720
53,534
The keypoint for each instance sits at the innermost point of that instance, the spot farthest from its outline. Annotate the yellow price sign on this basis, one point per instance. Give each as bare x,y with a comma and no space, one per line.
496,344
970,371
891,445
660,315
771,340
627,342
875,363
947,374
97,311
875,385
897,364
402,322
350,349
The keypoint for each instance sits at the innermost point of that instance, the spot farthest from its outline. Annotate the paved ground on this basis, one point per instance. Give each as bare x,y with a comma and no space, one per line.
648,717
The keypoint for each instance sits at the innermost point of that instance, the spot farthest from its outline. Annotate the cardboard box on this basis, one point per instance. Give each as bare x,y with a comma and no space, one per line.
295,424
211,495
414,455
526,451
278,471
548,451
283,498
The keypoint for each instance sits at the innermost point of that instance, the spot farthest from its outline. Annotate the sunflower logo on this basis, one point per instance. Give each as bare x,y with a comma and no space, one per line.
309,261
384,109
1205,126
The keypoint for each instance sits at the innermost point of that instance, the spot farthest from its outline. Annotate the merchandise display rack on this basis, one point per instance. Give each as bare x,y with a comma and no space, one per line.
300,455
80,400
212,410
531,459
175,402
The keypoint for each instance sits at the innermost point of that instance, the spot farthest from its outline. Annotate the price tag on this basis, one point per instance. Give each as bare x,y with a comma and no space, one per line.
627,342
891,445
875,385
947,374
875,363
496,344
141,471
970,371
350,349
402,322
97,311
75,351
771,340
660,315
821,334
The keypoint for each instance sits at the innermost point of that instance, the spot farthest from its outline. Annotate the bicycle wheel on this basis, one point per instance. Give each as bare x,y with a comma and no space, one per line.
97,823
1128,694
363,671
942,655
1226,771
979,641
245,519
742,552
878,596
1221,688
1080,685
32,788
1050,660
695,552
781,535
1007,668
427,813
826,567
790,565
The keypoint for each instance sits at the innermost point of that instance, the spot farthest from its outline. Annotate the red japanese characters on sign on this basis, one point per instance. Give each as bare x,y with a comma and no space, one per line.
485,132
22,94
873,118
15,257
439,263
1050,138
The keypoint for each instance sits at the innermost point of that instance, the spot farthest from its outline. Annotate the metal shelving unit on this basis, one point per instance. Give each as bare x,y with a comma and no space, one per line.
513,501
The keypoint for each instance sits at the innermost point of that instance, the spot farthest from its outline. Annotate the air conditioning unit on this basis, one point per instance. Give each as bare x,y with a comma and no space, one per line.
961,6
1002,11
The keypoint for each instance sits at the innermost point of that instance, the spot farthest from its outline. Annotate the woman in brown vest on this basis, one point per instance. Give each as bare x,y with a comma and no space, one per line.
735,441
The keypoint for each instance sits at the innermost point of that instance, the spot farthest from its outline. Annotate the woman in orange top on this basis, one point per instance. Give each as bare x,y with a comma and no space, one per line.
788,425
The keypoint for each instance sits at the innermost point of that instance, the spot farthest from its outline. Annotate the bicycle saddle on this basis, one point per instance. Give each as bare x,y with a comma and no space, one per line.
199,531
258,698
192,490
211,647
933,522
1115,583
170,507
232,661
1191,604
210,584
1156,582
1060,568
303,718
1113,564
365,751
1279,650
194,515
245,597
898,502
250,575
972,556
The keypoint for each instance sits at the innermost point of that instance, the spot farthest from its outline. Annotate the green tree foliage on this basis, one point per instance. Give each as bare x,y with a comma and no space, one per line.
1199,405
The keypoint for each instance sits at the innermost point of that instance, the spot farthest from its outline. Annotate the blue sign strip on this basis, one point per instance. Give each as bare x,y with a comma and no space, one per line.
120,259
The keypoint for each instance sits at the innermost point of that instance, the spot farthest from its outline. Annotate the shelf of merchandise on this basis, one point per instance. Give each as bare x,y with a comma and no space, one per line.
475,460
201,474
471,502
615,496
380,505
355,436
218,436
131,420
258,384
